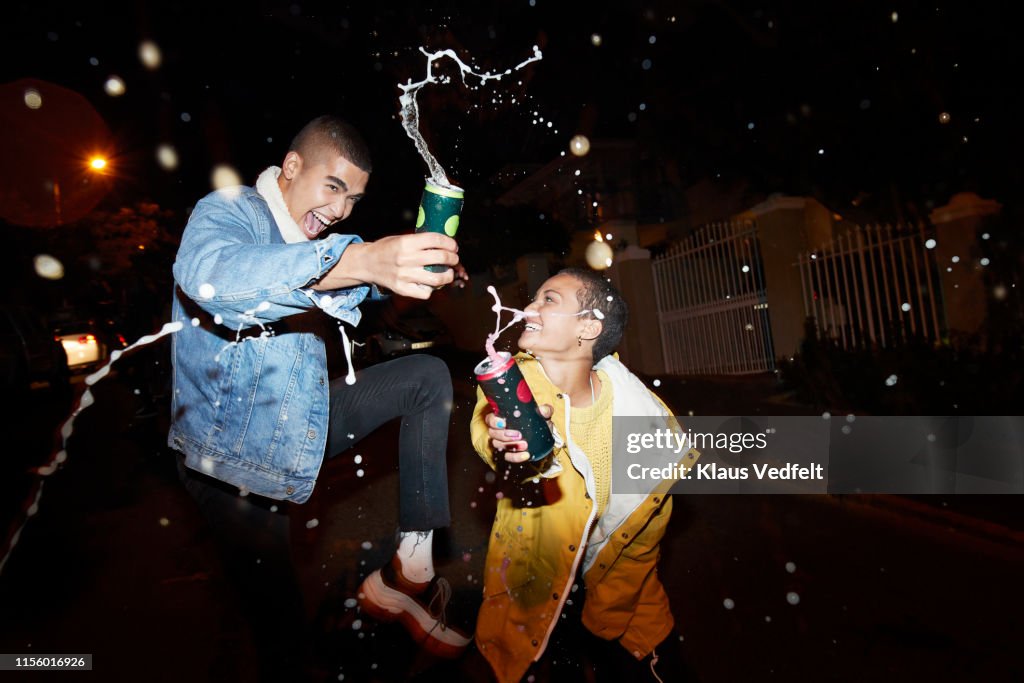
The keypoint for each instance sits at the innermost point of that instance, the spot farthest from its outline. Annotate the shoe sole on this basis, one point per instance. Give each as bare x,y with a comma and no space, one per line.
384,603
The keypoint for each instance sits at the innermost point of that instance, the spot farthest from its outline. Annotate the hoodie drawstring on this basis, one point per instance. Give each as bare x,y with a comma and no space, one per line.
654,660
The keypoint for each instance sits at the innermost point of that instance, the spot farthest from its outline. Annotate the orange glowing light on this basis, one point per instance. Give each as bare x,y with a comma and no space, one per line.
98,163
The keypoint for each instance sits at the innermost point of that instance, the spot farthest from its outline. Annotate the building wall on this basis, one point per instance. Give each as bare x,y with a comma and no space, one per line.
786,227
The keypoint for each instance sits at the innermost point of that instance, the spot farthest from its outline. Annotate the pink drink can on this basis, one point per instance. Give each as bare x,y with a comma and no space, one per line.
511,398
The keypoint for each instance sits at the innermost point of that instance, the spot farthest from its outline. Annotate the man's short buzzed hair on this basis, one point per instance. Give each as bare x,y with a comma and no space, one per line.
329,133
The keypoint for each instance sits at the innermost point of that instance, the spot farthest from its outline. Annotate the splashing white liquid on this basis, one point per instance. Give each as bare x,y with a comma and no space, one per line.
67,428
410,109
518,315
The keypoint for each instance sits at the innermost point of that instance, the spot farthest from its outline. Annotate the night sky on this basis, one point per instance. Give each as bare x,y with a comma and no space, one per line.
895,106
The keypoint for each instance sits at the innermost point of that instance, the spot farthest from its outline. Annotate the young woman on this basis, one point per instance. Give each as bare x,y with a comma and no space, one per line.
564,523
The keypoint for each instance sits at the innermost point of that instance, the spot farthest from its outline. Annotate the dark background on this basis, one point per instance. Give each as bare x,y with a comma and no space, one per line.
734,91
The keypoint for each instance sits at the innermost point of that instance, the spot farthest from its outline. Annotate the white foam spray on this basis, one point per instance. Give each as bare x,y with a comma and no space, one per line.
517,315
87,399
410,109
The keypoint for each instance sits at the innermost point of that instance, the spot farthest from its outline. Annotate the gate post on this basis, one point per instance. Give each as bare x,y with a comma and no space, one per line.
962,291
632,274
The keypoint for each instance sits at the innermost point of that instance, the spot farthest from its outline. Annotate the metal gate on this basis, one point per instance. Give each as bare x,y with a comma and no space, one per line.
874,287
712,304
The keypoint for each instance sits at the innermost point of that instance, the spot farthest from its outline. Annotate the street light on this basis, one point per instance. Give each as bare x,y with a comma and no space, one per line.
97,164
598,253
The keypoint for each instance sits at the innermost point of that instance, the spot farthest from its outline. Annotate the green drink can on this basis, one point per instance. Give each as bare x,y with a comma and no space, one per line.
440,209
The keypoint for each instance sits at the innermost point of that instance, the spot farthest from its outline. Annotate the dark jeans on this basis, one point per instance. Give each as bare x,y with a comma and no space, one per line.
612,663
419,390
575,655
254,545
252,532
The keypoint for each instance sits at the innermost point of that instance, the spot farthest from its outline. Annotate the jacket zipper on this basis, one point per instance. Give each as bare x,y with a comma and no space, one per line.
579,547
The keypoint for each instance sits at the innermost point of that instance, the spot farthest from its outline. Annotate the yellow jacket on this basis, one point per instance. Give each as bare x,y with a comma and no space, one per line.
545,529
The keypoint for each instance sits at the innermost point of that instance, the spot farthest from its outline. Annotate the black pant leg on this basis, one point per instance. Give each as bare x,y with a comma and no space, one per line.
417,389
253,539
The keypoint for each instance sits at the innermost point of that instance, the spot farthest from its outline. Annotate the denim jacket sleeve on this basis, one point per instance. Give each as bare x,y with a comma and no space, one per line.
233,263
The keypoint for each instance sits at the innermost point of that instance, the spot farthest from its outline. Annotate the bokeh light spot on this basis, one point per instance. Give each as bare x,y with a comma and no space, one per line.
224,176
114,86
48,267
33,100
149,54
167,157
599,255
579,145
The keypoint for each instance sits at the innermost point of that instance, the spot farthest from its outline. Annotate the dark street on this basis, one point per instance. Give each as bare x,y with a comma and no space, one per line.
117,563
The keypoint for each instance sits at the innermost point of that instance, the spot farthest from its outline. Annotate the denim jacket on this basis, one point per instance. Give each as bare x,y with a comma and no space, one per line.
250,400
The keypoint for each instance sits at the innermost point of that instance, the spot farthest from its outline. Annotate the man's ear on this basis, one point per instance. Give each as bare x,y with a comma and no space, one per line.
291,165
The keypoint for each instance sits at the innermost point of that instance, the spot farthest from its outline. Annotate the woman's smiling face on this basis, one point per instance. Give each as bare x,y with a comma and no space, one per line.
553,322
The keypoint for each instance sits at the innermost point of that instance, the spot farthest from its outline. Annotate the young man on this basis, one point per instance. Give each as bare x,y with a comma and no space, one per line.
566,524
253,410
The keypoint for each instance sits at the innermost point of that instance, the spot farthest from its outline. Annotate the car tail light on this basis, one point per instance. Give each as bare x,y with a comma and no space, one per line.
87,339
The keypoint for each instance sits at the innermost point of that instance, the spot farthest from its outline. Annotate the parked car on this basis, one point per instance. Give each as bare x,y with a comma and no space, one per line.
29,355
88,343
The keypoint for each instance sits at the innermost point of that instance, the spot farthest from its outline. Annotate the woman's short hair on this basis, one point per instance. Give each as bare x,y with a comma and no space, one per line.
596,293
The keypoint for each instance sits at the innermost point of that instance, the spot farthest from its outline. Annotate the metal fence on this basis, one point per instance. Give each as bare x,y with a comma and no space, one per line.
712,306
874,287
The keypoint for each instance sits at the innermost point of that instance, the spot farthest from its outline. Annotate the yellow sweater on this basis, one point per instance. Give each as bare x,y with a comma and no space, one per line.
591,430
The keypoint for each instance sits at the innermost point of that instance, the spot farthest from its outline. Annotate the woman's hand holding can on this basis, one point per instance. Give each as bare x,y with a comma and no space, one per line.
510,441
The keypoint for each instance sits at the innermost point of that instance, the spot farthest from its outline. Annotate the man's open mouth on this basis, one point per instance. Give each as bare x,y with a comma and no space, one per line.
533,327
315,222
